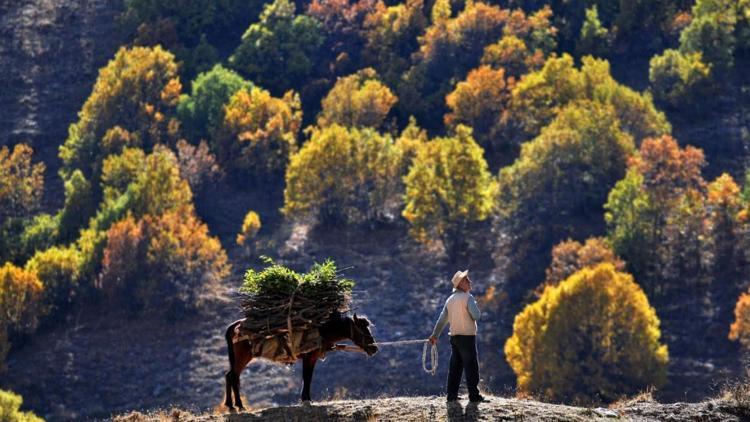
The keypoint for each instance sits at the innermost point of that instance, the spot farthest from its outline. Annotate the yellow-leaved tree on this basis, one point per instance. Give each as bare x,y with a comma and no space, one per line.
344,174
592,338
132,104
448,187
10,409
250,228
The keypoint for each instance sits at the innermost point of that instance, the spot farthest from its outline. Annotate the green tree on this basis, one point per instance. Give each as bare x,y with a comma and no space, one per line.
594,38
202,112
41,232
448,187
357,100
155,188
644,27
278,51
78,207
537,98
191,19
717,31
343,174
592,338
562,178
159,187
120,170
513,56
655,214
679,80
392,34
10,409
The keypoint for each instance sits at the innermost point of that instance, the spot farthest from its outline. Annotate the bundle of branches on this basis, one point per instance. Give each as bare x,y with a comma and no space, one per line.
277,298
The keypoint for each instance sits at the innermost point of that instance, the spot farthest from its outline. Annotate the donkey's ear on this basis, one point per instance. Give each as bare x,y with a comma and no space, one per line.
355,316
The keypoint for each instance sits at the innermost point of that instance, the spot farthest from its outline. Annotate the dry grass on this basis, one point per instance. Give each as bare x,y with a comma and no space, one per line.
736,394
646,396
172,415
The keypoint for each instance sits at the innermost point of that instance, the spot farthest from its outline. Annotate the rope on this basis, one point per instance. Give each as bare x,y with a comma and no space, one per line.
289,338
433,352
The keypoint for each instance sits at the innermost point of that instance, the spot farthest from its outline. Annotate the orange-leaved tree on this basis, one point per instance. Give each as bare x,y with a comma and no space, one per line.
357,100
259,132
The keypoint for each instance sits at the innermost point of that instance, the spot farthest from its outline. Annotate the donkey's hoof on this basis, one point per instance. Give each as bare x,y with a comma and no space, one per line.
231,409
306,403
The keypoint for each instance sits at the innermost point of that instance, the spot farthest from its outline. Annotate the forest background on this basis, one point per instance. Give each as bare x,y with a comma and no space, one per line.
587,160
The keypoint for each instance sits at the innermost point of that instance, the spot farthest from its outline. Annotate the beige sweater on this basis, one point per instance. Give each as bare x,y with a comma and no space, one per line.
462,312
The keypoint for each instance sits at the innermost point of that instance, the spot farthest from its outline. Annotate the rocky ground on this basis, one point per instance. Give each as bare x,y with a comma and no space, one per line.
436,409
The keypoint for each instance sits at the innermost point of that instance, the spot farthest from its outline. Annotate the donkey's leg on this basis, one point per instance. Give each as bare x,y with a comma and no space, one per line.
236,388
244,356
308,366
229,380
228,377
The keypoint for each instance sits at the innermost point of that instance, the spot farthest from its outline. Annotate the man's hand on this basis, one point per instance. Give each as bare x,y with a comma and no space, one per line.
433,340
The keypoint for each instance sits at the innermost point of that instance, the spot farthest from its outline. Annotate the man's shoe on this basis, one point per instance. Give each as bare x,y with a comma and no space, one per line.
478,399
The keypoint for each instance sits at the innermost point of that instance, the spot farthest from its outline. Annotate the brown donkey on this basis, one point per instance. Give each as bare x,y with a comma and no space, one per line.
339,327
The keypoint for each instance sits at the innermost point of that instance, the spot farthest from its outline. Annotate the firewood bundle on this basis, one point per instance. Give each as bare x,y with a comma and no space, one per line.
277,299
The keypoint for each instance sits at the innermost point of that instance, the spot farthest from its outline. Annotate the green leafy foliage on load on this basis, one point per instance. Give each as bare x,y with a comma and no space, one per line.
277,279
277,296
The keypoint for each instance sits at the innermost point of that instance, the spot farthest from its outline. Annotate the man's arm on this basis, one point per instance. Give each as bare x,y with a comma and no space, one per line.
441,323
474,308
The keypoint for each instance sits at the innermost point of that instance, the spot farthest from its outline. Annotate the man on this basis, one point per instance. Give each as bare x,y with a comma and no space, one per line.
462,312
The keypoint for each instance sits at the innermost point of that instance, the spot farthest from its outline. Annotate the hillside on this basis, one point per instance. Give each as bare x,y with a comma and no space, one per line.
49,57
404,140
435,409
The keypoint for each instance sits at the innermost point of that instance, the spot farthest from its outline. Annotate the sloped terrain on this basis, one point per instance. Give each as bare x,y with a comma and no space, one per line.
436,409
50,55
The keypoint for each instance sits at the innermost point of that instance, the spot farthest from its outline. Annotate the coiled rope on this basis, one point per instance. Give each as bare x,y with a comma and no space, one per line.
433,352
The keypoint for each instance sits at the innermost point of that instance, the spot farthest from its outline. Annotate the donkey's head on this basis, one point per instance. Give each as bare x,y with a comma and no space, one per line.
362,336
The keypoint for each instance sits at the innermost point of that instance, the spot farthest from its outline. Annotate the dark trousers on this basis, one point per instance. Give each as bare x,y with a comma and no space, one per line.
463,359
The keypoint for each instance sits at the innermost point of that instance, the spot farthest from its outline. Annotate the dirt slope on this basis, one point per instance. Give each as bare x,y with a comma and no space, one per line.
436,409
